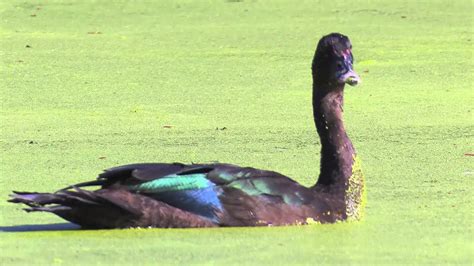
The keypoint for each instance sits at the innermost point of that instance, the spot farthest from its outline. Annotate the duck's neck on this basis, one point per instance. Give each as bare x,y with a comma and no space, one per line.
337,152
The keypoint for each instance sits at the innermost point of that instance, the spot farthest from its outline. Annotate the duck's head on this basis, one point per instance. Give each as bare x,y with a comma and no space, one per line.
332,63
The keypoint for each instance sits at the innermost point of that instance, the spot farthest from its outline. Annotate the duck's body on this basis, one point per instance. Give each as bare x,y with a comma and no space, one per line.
208,195
198,195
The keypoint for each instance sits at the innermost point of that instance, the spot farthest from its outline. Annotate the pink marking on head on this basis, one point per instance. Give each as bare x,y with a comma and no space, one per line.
346,53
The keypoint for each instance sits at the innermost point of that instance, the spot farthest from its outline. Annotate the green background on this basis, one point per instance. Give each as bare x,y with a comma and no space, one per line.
87,85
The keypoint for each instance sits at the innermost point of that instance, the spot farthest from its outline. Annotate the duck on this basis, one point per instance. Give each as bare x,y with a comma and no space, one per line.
176,195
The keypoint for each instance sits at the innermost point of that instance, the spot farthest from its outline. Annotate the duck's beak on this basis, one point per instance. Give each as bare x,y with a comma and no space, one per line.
351,78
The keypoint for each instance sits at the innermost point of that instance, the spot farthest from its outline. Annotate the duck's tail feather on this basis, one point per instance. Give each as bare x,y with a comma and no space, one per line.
62,197
33,199
86,208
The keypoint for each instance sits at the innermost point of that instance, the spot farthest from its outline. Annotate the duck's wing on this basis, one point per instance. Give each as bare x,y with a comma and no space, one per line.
223,193
183,195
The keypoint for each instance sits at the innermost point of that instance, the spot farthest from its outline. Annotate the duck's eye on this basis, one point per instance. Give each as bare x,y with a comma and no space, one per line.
339,66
